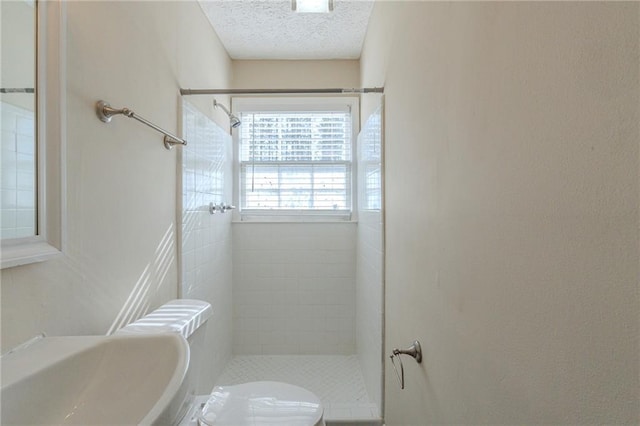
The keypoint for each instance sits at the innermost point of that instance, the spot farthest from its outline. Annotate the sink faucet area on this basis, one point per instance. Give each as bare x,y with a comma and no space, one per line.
122,380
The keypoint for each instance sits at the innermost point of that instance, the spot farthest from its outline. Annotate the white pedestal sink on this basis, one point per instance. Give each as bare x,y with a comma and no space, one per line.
115,380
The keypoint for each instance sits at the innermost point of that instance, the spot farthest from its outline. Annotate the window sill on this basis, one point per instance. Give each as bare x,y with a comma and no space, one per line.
254,218
24,252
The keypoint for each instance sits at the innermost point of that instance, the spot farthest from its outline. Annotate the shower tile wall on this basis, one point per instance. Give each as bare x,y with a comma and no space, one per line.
206,169
18,172
369,271
294,288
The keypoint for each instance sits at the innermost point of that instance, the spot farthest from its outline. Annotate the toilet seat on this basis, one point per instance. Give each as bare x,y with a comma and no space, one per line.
262,404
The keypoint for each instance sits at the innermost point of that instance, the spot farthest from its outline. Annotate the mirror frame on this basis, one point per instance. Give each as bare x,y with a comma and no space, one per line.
51,134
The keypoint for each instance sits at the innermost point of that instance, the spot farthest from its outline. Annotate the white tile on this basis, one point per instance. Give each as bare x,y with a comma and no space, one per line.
8,137
308,284
340,413
289,284
249,337
25,163
285,270
267,325
8,233
340,298
274,284
9,218
297,278
282,349
334,324
25,232
9,199
359,412
25,144
337,256
311,270
25,125
339,270
340,311
9,175
25,180
289,298
26,219
247,311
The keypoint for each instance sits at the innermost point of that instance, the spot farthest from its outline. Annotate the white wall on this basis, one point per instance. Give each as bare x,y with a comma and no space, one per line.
294,288
121,182
512,209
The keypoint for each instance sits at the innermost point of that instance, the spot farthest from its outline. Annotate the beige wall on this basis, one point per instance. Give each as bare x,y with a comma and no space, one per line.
121,182
295,74
512,209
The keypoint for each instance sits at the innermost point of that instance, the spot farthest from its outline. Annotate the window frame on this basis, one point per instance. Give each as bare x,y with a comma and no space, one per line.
349,103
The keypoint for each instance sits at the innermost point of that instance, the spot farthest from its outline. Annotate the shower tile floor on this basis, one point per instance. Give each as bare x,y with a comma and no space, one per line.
335,379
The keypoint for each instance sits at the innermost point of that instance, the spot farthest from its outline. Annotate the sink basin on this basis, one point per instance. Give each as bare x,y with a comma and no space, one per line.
116,380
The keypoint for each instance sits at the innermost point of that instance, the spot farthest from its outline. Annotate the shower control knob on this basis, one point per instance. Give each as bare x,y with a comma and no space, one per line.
222,208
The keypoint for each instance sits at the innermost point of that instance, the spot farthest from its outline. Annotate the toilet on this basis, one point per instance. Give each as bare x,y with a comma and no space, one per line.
248,404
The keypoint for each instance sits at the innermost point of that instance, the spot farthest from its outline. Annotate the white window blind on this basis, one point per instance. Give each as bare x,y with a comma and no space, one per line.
295,162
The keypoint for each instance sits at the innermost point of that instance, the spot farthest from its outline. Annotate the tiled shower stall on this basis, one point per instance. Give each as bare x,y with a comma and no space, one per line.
293,302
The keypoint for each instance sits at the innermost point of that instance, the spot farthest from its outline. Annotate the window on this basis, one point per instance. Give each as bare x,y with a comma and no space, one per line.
295,157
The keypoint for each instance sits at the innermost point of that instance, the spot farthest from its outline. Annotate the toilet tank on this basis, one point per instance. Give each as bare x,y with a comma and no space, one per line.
187,317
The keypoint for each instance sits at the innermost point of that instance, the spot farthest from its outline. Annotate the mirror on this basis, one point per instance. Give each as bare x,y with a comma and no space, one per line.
18,113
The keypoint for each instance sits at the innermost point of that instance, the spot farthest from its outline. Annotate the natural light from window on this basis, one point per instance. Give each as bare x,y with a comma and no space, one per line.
296,162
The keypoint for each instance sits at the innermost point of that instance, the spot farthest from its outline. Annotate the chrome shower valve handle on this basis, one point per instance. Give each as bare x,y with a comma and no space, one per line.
414,351
222,208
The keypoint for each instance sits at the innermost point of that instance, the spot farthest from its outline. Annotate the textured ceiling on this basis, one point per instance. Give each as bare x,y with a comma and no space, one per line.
269,29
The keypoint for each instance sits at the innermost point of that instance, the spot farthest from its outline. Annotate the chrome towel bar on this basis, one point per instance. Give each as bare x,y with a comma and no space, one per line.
105,112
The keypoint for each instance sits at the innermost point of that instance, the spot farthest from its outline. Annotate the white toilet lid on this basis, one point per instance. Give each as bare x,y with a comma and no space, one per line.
261,404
